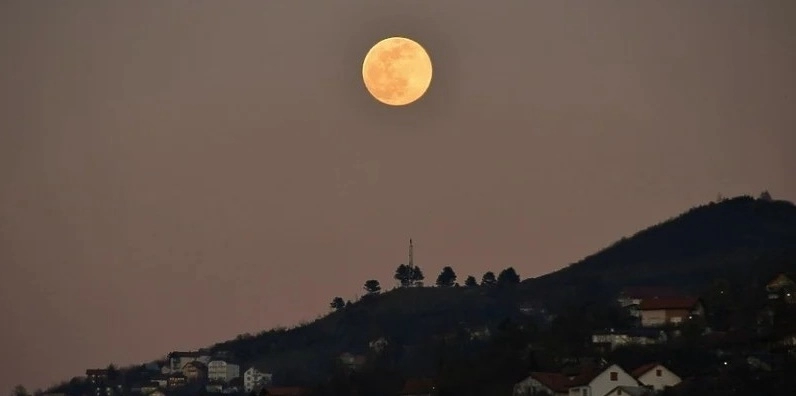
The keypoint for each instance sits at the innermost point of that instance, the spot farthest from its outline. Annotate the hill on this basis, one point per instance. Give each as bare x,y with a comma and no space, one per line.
737,239
742,241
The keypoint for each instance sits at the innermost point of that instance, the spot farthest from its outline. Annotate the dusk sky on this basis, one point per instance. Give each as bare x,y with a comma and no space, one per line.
174,173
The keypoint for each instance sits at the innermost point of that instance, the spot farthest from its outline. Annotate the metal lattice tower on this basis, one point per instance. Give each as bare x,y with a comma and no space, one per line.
411,254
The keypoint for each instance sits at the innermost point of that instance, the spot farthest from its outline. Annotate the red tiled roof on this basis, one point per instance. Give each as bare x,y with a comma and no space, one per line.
586,375
417,385
287,391
643,369
669,303
557,382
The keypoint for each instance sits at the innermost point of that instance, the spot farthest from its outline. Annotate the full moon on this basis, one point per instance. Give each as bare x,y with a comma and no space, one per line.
397,71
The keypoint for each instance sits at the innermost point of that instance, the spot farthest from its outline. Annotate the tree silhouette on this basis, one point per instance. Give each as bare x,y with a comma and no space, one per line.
508,277
372,286
446,278
337,303
113,372
409,276
470,281
765,196
488,279
417,276
19,390
403,274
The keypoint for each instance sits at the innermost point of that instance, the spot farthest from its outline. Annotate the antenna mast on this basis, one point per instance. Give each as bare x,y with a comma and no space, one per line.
411,254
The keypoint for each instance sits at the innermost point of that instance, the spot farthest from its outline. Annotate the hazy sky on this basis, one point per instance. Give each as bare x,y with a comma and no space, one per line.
174,173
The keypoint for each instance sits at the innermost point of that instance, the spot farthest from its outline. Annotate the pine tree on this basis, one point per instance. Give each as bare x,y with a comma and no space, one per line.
446,278
488,279
372,286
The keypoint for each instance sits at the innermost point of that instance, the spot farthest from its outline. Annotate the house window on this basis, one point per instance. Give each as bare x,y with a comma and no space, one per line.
614,376
658,372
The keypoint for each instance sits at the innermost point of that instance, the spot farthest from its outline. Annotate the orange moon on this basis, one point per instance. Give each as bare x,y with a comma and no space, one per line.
397,71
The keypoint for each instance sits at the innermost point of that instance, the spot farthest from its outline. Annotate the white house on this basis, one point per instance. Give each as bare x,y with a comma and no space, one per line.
630,298
600,382
658,312
537,383
254,377
656,376
221,370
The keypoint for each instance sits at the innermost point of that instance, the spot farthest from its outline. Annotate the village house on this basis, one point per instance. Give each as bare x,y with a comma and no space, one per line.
656,376
596,382
194,371
658,312
591,380
222,370
611,339
538,383
97,376
782,288
177,381
630,298
234,386
104,382
255,377
178,360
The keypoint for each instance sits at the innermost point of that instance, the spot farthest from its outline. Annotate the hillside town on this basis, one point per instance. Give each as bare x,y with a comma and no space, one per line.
659,316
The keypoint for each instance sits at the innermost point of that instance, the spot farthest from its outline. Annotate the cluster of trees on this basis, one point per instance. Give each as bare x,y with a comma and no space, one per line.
20,390
412,276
